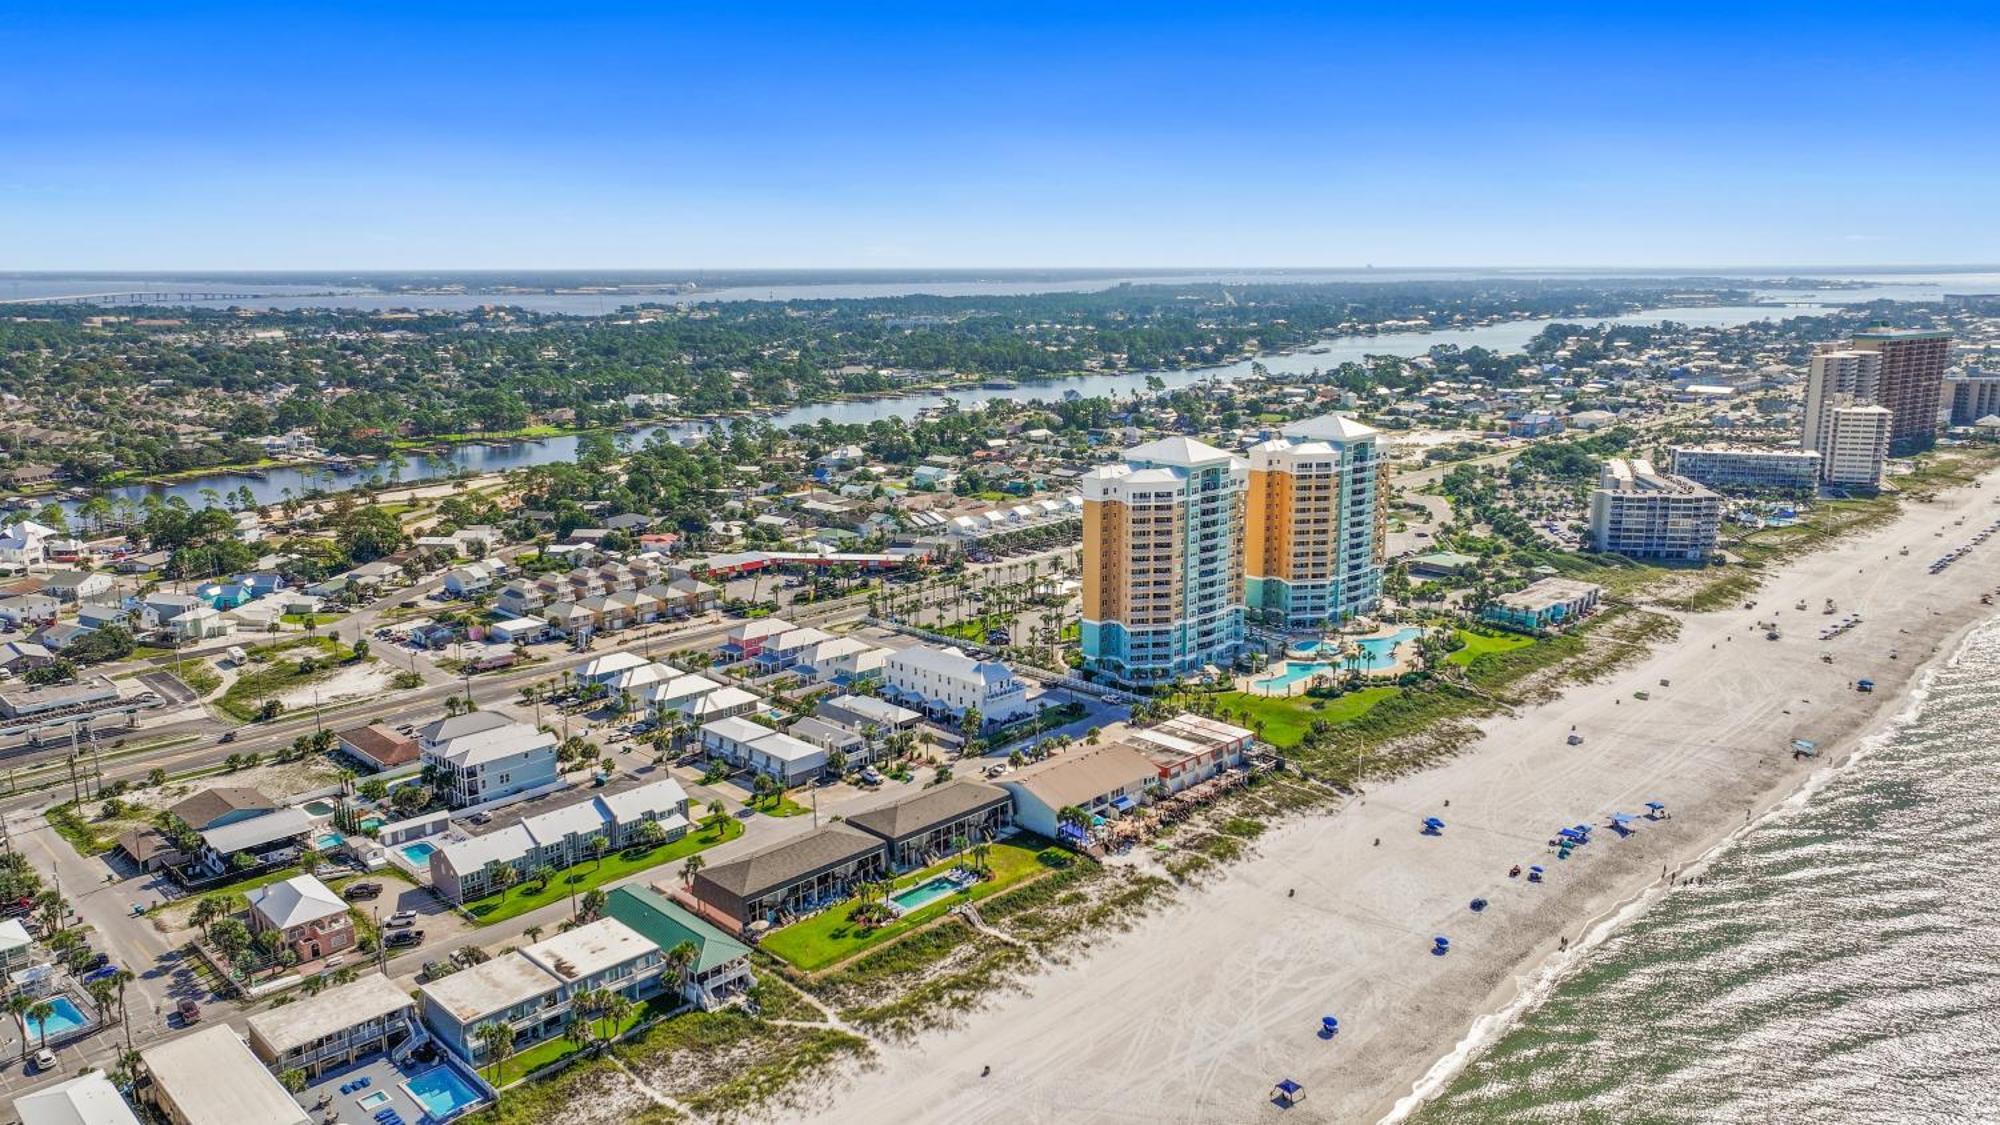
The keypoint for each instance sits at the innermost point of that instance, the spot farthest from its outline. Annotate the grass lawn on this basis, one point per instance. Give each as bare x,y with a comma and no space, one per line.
520,899
1480,644
319,620
1286,721
830,936
561,1047
779,805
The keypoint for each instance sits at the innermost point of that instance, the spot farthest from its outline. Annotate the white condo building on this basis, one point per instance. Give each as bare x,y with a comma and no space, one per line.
1857,445
945,681
1645,514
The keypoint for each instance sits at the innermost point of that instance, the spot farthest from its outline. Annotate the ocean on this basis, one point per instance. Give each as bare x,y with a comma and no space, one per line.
1835,962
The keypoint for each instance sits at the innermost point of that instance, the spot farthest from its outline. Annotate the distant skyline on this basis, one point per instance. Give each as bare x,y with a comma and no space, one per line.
512,136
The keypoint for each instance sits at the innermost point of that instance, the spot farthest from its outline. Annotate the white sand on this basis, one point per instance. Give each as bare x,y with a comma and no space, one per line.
351,682
1194,1014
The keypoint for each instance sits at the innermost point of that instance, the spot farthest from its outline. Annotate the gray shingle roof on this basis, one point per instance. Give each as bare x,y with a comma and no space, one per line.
928,808
782,864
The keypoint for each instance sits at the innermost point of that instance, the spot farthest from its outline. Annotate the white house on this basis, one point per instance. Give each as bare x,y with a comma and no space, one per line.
604,669
25,543
677,696
741,742
947,682
470,579
482,757
518,631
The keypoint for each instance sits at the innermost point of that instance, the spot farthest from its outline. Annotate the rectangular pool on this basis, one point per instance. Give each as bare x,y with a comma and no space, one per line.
66,1017
418,853
924,893
443,1091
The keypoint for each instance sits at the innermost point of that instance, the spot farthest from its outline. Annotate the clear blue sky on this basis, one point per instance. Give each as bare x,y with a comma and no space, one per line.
422,135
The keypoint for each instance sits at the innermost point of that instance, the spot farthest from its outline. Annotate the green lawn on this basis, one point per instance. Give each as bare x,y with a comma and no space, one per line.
1480,644
561,1047
831,936
1286,721
590,875
779,805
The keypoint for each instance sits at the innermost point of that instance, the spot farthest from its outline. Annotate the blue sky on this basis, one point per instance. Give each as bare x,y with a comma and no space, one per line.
435,135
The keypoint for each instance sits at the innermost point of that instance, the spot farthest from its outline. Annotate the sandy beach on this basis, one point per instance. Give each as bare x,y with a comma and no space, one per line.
1199,1009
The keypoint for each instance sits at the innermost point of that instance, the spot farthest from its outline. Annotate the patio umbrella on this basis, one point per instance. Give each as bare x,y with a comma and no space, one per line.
1329,1024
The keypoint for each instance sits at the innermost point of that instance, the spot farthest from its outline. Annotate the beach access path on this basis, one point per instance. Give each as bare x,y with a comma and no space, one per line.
1197,1011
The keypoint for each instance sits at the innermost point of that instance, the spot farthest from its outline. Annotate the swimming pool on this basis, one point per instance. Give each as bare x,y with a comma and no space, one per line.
66,1017
924,893
373,1101
318,808
329,841
418,853
1295,670
1377,652
443,1091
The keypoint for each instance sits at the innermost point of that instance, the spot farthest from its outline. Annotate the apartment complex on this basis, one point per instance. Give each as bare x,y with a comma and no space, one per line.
1313,532
1185,544
483,756
1857,445
1791,469
1162,562
1909,380
1898,369
1650,515
945,682
1972,396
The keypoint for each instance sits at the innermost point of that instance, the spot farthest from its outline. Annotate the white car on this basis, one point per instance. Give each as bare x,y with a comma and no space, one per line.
401,918
45,1060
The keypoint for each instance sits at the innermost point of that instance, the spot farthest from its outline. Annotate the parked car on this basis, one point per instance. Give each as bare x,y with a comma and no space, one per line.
227,736
404,937
401,918
358,891
45,1060
871,776
189,1011
101,973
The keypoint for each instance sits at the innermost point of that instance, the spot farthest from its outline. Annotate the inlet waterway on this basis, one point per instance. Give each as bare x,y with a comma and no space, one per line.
273,485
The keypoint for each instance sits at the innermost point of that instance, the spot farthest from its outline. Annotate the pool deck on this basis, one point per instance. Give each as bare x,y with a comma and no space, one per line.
384,1076
1255,684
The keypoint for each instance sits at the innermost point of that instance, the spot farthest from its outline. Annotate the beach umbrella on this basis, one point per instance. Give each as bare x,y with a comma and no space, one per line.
1478,904
1433,822
1621,818
1288,1090
1655,805
1440,946
1329,1024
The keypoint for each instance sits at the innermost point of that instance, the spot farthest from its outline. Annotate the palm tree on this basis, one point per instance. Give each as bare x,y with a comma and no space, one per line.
533,934
681,960
691,867
612,1008
496,1039
122,978
38,1014
20,1006
594,902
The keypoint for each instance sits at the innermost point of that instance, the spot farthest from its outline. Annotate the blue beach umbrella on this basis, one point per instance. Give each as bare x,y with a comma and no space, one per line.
1621,818
1329,1024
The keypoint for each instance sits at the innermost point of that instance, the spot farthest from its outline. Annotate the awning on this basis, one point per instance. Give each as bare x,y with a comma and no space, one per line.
1123,803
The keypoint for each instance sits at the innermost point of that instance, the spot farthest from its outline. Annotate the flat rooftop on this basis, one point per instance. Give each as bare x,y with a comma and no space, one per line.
300,1022
472,994
211,1076
589,949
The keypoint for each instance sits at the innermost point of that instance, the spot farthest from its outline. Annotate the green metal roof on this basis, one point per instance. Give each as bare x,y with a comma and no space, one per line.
666,924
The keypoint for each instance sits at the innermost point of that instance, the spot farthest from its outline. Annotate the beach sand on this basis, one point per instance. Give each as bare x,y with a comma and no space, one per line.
1196,1012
